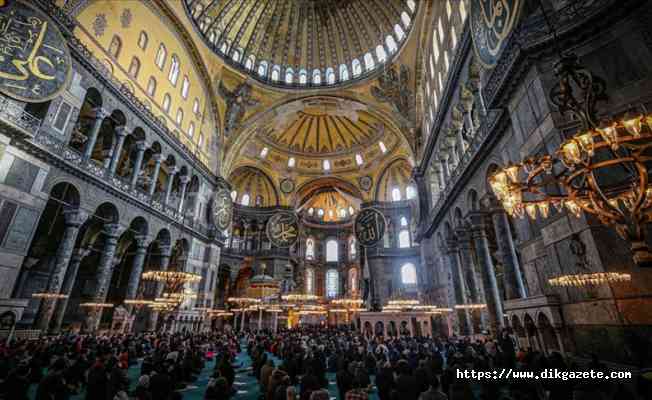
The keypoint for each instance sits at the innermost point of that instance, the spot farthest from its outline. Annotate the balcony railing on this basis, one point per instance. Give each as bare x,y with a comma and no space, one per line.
13,114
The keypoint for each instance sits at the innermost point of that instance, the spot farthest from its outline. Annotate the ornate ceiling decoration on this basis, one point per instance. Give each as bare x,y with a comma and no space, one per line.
329,205
324,126
254,183
304,43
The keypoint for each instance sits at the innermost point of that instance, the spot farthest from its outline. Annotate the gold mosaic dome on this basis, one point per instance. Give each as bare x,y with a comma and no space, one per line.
304,43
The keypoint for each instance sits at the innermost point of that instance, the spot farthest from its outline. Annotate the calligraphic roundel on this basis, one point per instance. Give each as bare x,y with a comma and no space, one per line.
283,229
492,22
222,208
369,227
35,65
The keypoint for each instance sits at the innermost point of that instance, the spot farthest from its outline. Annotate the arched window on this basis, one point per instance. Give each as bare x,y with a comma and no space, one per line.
245,199
179,118
358,159
289,75
382,146
410,191
167,100
408,274
311,211
400,33
353,280
310,281
235,56
173,75
463,11
200,141
115,46
161,55
406,19
142,40
332,251
134,67
369,61
344,72
249,64
151,86
332,284
264,152
327,165
353,248
391,44
185,87
259,201
357,68
291,162
396,194
195,106
404,239
191,129
303,77
262,68
276,73
316,77
330,76
234,195
381,55
320,212
224,47
412,5
453,37
310,249
212,36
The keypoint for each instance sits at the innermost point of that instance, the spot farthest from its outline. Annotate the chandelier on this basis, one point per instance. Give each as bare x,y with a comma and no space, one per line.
96,305
472,306
138,302
300,297
602,170
263,286
49,296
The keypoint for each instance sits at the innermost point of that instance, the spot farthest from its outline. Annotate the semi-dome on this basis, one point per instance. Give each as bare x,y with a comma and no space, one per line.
304,43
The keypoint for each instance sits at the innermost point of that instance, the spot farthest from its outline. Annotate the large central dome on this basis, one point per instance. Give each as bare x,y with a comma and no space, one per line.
304,43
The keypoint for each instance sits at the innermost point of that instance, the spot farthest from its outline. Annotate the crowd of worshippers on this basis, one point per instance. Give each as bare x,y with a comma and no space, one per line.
299,364
296,365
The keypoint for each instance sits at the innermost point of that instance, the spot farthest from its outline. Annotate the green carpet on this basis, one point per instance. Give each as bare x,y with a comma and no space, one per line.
246,386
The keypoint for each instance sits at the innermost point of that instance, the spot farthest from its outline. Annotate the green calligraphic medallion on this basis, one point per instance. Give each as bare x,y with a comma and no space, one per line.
35,65
369,227
283,229
222,208
492,23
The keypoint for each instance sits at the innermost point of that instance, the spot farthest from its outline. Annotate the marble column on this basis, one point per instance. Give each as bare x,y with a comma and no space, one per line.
105,268
184,186
68,284
164,260
242,320
136,268
260,319
458,282
168,189
121,134
140,146
158,159
471,277
100,114
73,219
513,280
492,293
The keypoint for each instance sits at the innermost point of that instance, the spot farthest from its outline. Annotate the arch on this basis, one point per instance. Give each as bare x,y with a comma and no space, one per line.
459,219
550,343
107,213
353,281
472,200
255,182
397,174
310,248
379,328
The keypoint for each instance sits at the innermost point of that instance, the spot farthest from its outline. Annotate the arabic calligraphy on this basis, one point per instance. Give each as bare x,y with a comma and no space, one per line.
222,209
492,21
369,227
283,229
34,61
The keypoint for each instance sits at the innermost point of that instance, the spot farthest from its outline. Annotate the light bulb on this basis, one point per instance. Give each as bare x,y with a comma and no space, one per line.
544,208
512,172
531,210
610,134
633,124
571,153
586,142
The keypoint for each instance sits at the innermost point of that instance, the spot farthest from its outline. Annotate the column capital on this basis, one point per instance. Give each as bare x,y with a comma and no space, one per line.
74,217
121,130
141,145
141,242
100,113
173,171
158,158
185,179
112,230
166,250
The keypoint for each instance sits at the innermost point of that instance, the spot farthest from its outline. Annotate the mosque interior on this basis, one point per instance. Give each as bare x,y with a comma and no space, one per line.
397,167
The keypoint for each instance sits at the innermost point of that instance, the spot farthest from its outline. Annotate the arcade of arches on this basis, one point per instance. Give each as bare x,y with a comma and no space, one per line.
320,109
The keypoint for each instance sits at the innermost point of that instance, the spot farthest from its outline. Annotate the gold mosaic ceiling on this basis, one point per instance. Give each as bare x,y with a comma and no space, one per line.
329,205
304,43
322,126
